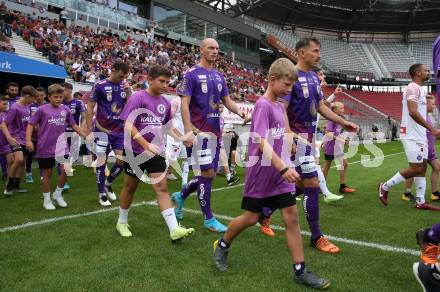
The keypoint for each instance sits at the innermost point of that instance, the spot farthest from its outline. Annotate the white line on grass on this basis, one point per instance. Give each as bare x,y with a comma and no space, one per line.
224,217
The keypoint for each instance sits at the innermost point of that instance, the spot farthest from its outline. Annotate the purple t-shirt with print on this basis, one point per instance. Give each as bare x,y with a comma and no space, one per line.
303,103
76,107
333,147
110,98
17,119
268,122
52,123
206,88
148,114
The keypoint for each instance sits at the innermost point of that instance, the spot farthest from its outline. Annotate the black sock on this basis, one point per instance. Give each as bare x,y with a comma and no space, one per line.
10,183
17,182
436,193
223,244
341,186
299,191
299,268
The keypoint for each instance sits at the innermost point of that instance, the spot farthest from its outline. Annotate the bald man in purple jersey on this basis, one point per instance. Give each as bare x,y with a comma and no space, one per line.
303,105
202,91
110,97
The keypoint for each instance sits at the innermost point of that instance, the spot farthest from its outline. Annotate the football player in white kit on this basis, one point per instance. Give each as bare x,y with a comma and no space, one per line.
175,149
413,136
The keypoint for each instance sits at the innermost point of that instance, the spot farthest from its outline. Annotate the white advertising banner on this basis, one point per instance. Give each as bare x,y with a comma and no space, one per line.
231,118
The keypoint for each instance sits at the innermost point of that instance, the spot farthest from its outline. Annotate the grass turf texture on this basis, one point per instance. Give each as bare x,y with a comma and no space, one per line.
87,254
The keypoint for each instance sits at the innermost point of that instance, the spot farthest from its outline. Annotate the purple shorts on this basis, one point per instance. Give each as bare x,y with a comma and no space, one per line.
115,141
5,149
204,154
432,154
304,161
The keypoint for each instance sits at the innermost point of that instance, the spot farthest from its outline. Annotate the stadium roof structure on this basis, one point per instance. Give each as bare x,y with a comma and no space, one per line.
339,15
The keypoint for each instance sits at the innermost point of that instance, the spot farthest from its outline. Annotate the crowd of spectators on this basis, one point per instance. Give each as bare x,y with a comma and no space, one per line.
87,54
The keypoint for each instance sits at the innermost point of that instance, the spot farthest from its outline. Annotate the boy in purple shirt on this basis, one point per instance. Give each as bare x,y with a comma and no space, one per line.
40,100
5,148
51,119
303,105
147,117
334,149
202,90
14,129
269,180
110,96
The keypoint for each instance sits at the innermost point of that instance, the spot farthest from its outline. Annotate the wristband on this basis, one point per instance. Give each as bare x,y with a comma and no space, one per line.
282,172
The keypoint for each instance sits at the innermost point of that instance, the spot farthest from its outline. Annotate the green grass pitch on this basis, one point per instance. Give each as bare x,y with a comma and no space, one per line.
85,253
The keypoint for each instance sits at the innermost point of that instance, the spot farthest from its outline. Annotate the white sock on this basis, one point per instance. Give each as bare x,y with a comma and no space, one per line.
123,215
185,172
46,197
102,195
58,192
228,176
420,183
170,219
407,190
395,180
322,183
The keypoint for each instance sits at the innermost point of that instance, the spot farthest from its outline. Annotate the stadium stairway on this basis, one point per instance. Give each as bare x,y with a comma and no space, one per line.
24,49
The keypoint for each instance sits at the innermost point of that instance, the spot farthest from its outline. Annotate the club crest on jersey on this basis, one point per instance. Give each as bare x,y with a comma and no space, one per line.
63,113
305,90
219,87
161,109
123,94
204,86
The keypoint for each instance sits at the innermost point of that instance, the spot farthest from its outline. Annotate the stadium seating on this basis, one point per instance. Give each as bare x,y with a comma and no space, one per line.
389,103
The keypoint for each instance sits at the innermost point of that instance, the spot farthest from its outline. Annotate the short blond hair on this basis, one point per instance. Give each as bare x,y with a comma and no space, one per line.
336,105
283,68
55,89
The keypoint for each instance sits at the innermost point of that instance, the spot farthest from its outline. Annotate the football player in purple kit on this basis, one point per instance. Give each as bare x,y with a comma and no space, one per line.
14,129
39,101
269,180
303,105
12,93
202,91
147,118
51,119
77,109
109,96
5,148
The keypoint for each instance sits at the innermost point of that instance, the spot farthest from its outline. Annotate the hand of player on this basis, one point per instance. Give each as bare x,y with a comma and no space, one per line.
291,175
30,146
188,139
247,119
350,127
13,142
436,133
153,149
337,90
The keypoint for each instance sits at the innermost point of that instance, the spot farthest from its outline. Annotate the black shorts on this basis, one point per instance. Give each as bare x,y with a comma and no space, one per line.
49,162
156,164
46,163
331,157
21,148
280,201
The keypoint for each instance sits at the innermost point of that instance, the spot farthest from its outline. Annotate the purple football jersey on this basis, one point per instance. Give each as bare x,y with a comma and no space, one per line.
110,98
303,104
268,122
17,119
76,107
52,123
153,113
4,145
206,88
333,147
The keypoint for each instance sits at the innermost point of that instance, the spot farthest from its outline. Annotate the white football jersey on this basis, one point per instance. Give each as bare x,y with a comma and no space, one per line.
177,118
409,129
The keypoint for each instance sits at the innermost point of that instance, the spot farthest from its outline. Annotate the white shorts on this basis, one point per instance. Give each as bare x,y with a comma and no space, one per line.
415,151
175,150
